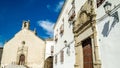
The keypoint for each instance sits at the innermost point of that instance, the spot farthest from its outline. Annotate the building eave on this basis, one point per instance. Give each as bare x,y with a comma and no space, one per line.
63,7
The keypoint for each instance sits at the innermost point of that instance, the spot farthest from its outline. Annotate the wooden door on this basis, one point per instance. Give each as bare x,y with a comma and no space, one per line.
87,53
21,59
49,62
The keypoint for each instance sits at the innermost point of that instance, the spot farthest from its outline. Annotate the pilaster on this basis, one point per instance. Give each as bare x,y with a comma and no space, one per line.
78,54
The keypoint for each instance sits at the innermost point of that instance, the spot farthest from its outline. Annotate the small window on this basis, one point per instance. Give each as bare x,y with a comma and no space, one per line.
68,51
23,42
62,56
52,50
71,14
99,2
56,38
73,2
63,20
62,29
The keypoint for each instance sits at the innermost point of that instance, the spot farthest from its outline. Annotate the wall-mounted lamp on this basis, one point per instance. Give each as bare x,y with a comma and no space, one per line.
107,7
65,42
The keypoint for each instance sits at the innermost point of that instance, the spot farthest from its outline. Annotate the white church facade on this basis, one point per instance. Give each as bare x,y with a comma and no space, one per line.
25,48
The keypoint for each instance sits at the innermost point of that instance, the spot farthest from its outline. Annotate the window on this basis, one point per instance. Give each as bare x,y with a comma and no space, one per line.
68,51
99,2
56,38
55,59
62,56
62,29
73,2
23,42
71,14
52,50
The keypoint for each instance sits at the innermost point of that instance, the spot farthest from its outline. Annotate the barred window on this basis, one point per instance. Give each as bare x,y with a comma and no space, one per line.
62,56
62,29
56,38
55,59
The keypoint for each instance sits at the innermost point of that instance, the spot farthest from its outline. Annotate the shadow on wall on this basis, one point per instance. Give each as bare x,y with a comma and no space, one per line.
106,29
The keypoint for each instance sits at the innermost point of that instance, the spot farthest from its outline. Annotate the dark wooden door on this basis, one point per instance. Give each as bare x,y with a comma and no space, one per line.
87,53
22,59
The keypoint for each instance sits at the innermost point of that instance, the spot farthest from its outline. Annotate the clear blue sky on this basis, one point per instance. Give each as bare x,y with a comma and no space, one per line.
41,13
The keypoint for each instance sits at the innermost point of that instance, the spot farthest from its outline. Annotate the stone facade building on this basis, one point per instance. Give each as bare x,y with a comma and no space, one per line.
25,48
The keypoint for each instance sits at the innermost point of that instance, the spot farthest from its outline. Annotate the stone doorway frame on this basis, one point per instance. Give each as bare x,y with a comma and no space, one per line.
84,27
87,53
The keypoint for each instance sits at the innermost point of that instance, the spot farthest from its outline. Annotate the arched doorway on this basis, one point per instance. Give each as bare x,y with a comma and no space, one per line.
49,62
21,59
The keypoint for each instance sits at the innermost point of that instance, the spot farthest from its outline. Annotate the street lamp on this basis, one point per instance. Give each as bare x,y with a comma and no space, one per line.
107,7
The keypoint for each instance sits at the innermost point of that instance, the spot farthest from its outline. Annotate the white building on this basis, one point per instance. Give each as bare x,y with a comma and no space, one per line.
49,50
25,48
94,30
108,33
64,53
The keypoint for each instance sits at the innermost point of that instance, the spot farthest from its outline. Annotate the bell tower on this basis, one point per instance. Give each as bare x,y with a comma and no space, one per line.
26,24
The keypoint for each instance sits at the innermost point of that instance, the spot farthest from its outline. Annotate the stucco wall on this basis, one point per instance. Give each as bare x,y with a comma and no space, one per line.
108,31
69,61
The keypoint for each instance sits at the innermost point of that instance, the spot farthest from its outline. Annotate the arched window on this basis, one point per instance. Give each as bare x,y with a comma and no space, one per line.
21,59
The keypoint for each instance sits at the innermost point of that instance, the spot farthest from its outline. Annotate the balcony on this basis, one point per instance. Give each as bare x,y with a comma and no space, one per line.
71,14
56,38
62,29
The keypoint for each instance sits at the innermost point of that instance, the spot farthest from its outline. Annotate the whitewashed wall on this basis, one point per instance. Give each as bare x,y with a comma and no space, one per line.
49,43
68,35
108,33
69,60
